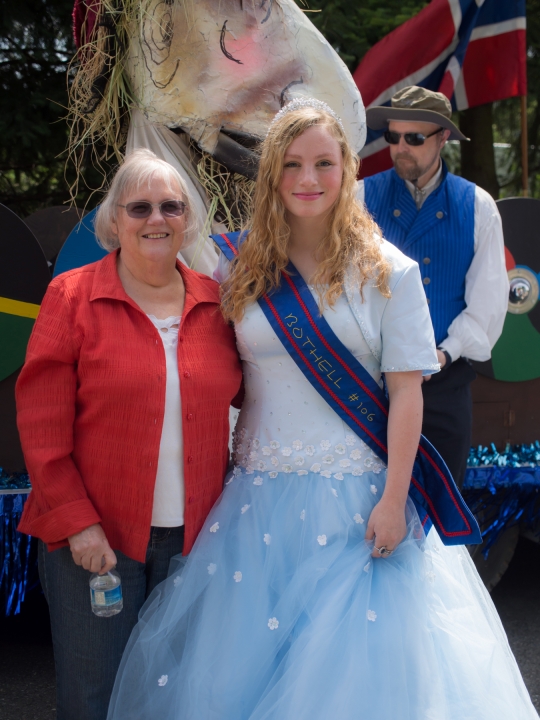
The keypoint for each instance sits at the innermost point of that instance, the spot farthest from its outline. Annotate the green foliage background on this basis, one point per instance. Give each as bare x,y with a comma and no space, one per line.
36,46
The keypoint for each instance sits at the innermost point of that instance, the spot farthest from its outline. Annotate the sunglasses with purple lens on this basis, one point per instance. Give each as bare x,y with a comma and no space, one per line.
411,138
141,209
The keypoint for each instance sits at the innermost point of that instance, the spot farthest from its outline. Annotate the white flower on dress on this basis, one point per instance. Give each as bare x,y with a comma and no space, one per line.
303,515
274,460
302,472
368,462
325,444
266,450
338,476
340,449
358,519
274,444
250,470
310,450
286,451
273,623
272,474
350,439
261,465
430,576
373,489
355,454
328,459
214,527
371,615
244,460
377,468
356,471
297,444
334,492
237,471
177,580
267,538
299,460
344,463
258,480
253,455
245,508
212,568
326,473
163,680
256,443
366,567
321,539
237,577
286,468
316,467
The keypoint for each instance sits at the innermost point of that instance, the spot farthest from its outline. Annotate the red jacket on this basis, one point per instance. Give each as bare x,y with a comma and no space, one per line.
91,400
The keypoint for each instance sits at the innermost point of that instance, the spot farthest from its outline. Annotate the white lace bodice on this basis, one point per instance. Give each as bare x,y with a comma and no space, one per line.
285,425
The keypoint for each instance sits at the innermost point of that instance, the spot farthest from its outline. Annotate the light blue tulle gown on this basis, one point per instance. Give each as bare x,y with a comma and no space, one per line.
281,613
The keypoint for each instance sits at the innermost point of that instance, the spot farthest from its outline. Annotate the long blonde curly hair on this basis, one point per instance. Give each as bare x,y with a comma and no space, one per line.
352,238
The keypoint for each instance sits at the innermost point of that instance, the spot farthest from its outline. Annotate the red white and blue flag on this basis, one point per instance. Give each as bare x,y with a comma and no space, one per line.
473,51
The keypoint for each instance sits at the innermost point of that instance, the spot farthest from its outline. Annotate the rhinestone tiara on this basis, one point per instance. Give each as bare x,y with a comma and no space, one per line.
305,102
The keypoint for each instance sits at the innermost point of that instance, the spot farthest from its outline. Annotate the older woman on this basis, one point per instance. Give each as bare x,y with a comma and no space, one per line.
123,414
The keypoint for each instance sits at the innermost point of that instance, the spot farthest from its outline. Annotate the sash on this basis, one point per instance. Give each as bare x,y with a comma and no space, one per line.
354,395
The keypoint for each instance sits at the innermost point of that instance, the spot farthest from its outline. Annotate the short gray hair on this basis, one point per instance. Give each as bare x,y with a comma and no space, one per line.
140,168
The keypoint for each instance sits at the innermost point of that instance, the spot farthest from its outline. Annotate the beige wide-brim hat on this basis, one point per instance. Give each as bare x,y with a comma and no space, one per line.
415,104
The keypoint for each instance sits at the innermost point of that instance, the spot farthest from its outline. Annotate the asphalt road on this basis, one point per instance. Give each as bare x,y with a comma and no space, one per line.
27,668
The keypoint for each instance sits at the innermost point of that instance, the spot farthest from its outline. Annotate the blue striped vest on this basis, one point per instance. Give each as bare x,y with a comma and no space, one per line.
439,236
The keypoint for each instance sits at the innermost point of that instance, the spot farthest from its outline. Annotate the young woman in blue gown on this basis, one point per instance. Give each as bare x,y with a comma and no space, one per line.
312,592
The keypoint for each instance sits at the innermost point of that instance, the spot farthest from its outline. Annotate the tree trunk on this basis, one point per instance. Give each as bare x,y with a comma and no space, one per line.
477,156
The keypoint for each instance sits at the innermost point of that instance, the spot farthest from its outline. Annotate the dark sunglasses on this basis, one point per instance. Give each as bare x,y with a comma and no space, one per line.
141,209
414,139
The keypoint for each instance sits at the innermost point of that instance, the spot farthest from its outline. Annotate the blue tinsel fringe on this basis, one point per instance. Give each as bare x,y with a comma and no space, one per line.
14,553
503,489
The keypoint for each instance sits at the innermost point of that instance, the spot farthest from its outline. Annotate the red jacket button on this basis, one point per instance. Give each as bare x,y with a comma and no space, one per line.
190,416
190,459
191,499
187,373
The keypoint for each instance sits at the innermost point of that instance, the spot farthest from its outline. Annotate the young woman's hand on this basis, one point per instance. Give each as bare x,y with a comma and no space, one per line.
90,548
386,526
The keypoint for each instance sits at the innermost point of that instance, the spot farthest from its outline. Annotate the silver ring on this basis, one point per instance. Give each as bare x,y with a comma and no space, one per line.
384,551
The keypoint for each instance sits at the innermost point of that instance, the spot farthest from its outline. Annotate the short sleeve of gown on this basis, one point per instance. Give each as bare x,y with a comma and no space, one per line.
221,273
408,342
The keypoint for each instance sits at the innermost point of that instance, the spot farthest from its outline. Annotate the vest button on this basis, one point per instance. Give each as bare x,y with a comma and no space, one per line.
426,281
397,212
426,261
440,214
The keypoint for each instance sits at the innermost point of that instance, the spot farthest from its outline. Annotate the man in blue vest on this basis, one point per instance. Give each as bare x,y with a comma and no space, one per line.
453,230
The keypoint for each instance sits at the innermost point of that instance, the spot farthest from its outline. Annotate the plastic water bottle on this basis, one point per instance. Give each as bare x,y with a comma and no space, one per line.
106,593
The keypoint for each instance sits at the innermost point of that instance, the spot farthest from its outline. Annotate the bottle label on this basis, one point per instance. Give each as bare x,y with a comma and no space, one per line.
106,597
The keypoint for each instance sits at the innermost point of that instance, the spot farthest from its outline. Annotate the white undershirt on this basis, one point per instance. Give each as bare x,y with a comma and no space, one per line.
168,509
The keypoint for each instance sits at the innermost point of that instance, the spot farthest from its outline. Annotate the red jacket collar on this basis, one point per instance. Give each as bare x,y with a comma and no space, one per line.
107,284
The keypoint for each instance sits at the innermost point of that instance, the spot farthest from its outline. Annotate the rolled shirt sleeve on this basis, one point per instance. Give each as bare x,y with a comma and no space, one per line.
46,401
477,328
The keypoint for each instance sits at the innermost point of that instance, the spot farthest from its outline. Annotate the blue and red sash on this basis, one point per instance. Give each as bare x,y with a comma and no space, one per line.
358,400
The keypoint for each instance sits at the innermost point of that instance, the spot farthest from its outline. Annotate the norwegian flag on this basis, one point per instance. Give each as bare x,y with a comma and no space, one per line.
473,51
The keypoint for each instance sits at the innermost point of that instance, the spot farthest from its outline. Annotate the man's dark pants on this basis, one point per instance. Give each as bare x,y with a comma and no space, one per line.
448,415
87,648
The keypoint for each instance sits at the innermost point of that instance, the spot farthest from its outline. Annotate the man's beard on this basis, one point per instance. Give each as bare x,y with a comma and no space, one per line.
407,168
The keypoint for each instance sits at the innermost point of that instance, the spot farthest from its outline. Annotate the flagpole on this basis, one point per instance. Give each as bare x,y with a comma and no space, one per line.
524,147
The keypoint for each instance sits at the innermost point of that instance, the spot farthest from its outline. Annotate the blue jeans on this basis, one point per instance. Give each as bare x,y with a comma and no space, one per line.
87,648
